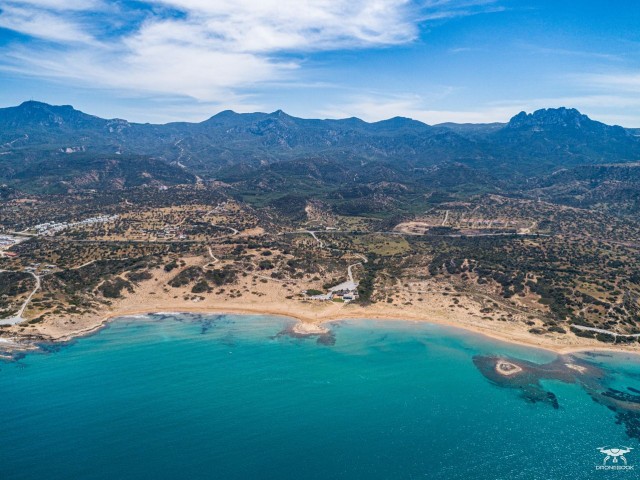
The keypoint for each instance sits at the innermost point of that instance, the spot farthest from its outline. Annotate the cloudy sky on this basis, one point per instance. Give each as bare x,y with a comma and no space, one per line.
433,60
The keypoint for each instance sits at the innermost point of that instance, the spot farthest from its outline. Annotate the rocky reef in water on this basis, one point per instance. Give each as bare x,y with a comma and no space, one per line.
323,335
525,376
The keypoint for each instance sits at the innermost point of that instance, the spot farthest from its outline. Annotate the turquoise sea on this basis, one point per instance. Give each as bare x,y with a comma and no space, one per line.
172,396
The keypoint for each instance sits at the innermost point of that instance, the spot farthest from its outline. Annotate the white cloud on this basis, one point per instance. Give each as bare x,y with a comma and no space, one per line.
625,81
59,5
276,25
43,24
208,50
574,53
375,108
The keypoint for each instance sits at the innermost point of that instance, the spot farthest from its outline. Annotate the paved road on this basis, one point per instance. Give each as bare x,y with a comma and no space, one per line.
17,318
601,330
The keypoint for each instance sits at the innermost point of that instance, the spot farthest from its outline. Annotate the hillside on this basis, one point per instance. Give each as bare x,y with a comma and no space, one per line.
394,163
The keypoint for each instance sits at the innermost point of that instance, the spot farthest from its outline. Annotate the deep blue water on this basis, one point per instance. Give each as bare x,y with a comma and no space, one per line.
224,397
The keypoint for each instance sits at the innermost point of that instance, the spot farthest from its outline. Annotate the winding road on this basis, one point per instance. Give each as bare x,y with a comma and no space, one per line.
17,318
350,273
215,259
607,332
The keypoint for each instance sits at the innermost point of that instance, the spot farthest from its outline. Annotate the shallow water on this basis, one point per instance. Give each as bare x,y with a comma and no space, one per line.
226,397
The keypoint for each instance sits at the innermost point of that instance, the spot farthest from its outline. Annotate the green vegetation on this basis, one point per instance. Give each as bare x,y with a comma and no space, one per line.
503,217
113,288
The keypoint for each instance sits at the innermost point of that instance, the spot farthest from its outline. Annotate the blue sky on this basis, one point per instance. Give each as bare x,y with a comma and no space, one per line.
433,60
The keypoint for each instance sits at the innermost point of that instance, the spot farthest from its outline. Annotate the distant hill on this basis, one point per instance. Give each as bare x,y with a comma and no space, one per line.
539,142
587,186
472,130
35,123
46,147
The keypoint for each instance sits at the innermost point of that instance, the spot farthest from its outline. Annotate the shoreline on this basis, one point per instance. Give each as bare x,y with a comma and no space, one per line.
261,297
314,327
275,298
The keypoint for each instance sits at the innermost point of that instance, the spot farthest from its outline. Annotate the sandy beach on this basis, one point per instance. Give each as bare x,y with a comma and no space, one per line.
311,320
255,295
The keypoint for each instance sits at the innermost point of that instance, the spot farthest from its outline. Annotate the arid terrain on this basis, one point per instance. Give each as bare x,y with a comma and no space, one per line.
526,230
493,265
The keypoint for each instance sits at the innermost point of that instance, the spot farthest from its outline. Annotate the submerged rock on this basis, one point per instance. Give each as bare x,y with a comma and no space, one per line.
526,377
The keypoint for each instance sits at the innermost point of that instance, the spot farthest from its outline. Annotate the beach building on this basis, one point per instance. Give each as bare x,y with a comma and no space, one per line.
347,291
323,297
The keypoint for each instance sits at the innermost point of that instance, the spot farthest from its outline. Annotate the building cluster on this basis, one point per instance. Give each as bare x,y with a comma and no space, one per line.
8,241
346,291
33,267
164,233
51,228
170,232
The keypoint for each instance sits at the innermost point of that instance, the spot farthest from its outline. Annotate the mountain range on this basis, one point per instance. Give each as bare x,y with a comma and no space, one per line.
57,149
